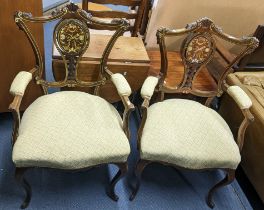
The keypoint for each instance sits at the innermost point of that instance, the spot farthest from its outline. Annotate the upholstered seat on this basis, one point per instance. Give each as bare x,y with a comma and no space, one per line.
188,134
70,130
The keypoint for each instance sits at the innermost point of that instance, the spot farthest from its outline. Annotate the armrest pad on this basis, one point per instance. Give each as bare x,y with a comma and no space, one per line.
20,83
240,97
121,84
148,87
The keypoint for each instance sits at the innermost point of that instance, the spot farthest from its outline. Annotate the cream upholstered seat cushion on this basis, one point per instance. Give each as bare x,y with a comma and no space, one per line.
70,130
189,135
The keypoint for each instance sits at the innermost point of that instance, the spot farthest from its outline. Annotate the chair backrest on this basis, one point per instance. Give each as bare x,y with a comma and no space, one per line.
197,50
135,15
71,37
254,61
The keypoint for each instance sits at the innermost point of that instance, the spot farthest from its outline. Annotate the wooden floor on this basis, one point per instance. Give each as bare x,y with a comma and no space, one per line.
203,81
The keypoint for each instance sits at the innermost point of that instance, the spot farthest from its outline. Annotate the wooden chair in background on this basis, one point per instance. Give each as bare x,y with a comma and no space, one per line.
134,15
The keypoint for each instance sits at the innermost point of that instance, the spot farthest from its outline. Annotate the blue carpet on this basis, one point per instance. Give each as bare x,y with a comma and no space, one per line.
162,187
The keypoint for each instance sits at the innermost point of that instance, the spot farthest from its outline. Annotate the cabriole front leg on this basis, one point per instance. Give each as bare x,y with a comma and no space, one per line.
230,176
120,174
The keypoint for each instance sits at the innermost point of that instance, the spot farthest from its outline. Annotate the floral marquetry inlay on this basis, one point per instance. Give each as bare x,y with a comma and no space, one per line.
199,49
72,37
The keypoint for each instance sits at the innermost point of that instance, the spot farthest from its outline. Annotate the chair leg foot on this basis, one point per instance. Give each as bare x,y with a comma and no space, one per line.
138,171
19,175
230,176
120,174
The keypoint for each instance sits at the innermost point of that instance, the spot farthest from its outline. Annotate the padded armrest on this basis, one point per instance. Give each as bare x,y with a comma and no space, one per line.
148,87
20,83
121,84
240,97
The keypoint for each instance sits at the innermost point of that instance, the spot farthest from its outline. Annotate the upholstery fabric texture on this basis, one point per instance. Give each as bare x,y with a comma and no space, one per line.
188,134
240,97
20,83
121,84
70,130
148,87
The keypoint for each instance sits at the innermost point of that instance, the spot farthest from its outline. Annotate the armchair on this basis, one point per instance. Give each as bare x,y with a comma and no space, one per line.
69,130
184,133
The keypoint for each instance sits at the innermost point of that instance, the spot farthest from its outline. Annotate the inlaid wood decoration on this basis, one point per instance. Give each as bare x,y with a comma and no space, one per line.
199,49
72,37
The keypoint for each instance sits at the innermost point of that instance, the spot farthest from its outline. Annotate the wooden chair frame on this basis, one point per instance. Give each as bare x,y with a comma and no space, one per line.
71,59
141,4
192,65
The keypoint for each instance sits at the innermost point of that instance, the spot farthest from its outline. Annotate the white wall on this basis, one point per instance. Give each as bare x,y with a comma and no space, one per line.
236,17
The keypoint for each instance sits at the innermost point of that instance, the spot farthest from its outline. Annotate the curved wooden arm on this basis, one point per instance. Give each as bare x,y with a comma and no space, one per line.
129,107
248,118
144,111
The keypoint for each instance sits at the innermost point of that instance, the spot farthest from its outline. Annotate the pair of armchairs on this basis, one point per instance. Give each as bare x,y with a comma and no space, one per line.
72,130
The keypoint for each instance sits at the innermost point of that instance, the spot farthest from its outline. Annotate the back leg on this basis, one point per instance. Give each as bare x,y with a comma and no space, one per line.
230,176
19,175
121,173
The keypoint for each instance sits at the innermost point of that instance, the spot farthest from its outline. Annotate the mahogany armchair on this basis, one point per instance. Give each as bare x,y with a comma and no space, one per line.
69,130
184,133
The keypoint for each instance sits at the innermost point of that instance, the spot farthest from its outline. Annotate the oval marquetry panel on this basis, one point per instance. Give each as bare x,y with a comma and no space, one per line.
72,37
199,49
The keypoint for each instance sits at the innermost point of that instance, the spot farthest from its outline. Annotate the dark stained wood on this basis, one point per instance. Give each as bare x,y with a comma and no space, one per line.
16,53
112,14
146,18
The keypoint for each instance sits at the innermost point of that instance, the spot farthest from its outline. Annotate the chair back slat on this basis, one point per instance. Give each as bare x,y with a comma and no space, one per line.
136,12
131,3
112,14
